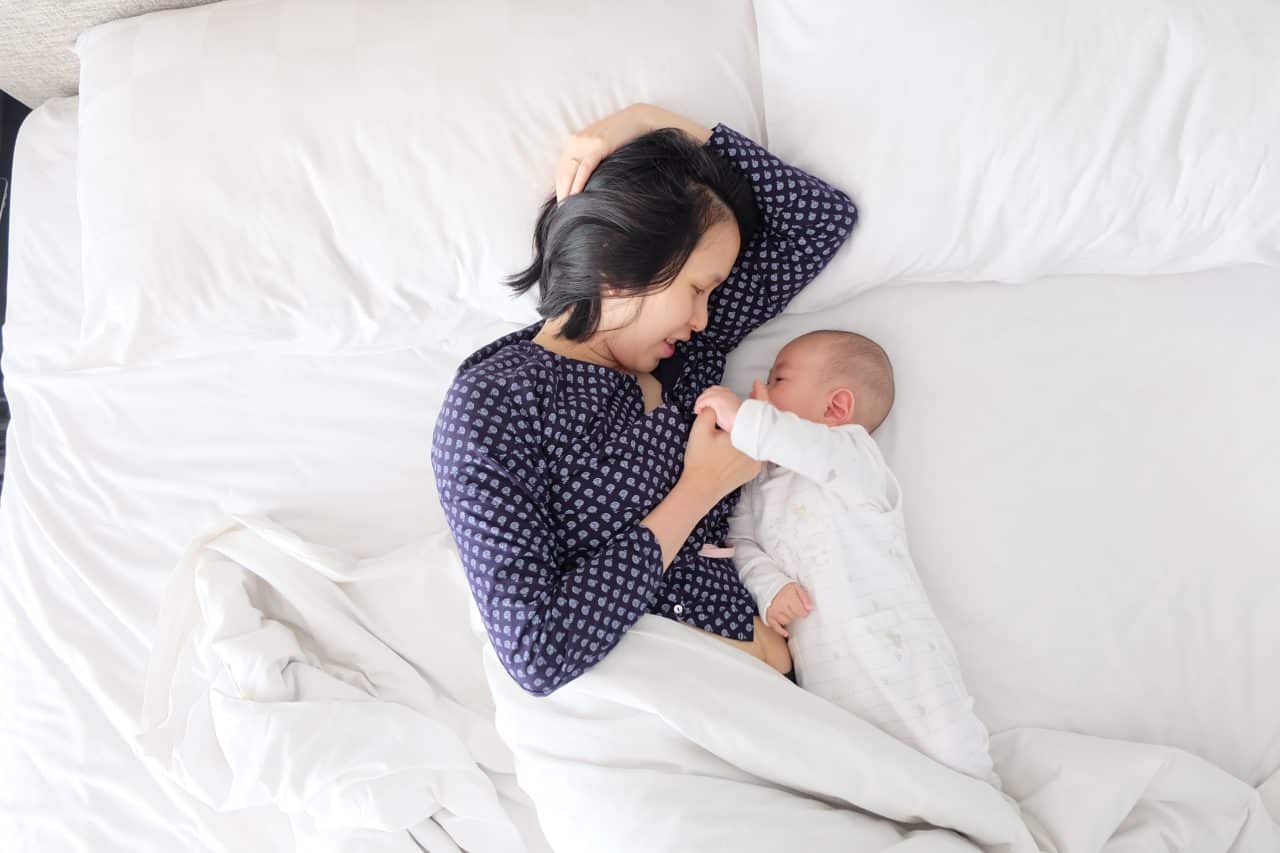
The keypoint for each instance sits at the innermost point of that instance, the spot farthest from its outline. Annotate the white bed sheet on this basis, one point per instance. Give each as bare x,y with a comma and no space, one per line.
1091,481
111,473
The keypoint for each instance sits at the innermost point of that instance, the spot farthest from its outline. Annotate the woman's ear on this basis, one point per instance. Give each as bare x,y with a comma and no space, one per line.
840,405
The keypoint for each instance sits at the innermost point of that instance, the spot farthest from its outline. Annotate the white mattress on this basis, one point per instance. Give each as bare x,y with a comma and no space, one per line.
1014,458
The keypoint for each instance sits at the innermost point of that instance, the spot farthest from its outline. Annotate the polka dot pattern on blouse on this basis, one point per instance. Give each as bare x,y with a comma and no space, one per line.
546,465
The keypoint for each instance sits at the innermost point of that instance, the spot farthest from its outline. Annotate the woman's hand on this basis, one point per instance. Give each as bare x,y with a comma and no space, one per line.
713,468
711,461
584,150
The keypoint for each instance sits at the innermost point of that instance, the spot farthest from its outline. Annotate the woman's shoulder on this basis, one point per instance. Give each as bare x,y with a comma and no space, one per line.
506,376
491,413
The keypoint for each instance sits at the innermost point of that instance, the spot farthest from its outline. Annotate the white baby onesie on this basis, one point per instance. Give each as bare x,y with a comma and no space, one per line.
826,512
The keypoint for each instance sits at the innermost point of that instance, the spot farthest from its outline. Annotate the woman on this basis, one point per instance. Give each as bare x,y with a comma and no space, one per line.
560,452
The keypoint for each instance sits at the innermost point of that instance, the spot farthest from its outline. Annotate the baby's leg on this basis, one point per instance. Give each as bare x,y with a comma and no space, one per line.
767,645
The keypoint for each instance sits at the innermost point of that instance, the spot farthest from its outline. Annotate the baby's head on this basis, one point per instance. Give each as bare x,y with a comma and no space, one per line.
833,378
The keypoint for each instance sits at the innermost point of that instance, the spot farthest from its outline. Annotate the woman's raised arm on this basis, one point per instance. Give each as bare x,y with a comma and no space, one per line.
804,220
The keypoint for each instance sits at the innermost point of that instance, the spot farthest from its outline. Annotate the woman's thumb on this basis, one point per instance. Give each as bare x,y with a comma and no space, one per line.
706,419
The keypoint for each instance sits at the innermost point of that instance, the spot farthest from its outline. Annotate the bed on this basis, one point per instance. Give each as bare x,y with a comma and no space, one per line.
1085,429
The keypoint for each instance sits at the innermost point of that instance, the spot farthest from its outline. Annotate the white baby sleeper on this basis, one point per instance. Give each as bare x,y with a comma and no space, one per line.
826,512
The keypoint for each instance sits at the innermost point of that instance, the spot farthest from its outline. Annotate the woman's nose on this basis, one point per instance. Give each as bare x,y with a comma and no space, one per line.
699,319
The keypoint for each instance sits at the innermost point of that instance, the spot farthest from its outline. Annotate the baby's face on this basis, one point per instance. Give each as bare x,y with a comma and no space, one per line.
795,381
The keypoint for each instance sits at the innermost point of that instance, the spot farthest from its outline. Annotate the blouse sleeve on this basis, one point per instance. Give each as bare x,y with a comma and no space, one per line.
803,222
550,616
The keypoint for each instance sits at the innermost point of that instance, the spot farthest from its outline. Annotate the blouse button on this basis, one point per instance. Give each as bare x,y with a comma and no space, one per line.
679,609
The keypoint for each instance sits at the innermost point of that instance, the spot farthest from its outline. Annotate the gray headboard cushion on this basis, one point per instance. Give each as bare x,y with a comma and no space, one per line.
37,59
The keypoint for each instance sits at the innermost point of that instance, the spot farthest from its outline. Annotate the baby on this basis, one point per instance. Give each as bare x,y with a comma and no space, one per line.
820,542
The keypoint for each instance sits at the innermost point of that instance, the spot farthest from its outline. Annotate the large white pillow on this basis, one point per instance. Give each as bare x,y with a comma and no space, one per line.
344,174
1016,139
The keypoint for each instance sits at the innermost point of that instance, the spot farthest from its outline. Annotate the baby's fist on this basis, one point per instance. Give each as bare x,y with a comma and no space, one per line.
723,402
791,603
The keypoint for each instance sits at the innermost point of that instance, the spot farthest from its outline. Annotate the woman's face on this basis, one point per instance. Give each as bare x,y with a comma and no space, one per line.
638,331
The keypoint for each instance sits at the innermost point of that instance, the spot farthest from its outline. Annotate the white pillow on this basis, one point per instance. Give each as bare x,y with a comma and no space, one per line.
342,175
42,320
1011,140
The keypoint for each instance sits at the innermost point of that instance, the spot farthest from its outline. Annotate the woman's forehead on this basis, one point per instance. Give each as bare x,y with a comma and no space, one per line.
715,253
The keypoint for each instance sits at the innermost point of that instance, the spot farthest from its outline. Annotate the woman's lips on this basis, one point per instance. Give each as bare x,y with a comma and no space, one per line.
667,349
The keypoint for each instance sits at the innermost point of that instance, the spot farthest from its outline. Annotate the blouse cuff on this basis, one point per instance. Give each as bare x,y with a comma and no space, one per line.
735,147
647,551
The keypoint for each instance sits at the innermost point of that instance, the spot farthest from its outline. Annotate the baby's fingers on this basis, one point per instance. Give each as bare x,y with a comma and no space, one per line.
804,598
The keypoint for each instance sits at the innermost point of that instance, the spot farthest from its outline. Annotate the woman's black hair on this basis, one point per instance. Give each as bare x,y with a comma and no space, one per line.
642,212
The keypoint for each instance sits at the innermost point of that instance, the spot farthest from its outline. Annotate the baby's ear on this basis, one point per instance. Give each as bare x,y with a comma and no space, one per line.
840,406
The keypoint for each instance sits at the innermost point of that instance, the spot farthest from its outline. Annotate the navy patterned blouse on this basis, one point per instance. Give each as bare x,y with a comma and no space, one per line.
546,465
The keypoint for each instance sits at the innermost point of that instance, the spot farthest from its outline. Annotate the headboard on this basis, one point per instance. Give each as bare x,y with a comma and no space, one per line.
37,37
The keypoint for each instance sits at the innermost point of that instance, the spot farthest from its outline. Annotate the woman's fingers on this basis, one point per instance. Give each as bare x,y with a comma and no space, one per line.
570,176
565,171
584,151
704,424
586,165
580,157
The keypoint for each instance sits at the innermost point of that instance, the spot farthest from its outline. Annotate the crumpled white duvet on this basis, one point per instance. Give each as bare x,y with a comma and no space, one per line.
348,693
288,673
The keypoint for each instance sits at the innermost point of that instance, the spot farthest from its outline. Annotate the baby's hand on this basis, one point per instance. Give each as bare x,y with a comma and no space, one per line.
723,402
791,603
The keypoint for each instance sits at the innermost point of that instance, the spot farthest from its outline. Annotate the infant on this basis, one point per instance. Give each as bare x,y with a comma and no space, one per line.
820,542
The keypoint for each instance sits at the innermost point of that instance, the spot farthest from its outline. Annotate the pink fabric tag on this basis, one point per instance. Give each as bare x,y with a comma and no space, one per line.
715,552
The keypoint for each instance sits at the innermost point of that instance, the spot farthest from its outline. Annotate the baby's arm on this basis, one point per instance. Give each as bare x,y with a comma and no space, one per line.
761,574
812,450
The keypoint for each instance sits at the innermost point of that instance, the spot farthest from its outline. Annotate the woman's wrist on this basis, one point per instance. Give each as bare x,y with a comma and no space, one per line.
674,518
698,492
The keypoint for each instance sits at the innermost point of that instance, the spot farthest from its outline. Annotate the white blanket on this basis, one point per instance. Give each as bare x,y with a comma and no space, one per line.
344,693
686,744
288,673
